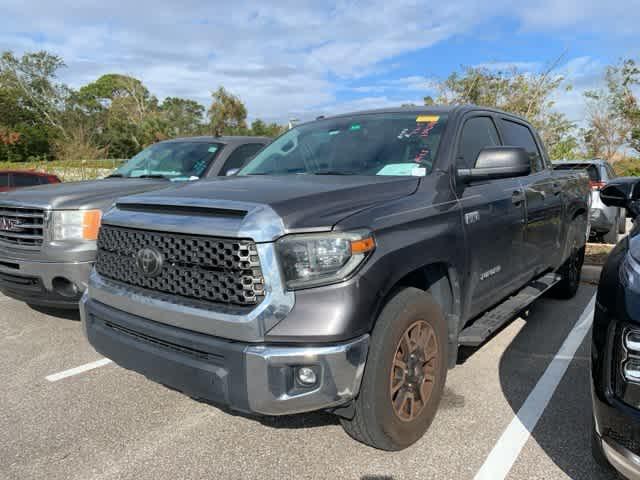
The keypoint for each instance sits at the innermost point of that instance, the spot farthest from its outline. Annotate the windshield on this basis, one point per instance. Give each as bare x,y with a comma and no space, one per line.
369,144
172,160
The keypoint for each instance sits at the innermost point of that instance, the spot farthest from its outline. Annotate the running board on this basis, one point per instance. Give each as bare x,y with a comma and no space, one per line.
485,326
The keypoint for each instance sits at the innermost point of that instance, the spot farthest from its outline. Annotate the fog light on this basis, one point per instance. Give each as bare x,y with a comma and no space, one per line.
306,376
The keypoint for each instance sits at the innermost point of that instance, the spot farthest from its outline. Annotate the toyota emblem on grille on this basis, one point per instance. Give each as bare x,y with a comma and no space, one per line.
149,262
10,224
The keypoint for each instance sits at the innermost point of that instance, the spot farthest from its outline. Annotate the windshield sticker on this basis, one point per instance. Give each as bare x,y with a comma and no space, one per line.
427,118
404,169
418,171
421,130
354,127
334,132
422,154
213,149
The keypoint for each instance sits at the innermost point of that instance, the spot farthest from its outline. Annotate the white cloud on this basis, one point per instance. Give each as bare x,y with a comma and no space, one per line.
281,57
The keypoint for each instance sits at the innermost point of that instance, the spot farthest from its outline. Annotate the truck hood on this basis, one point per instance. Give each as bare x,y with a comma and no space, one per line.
88,194
299,201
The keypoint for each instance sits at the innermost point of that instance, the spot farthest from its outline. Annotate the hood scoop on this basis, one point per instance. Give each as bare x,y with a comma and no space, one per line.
183,210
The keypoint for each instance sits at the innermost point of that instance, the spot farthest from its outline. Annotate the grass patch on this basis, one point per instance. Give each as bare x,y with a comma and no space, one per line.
597,253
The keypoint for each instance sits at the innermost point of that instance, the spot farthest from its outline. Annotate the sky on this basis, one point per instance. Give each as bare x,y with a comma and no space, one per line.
300,59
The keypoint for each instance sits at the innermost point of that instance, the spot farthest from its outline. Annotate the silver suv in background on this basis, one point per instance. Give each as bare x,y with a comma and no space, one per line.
606,222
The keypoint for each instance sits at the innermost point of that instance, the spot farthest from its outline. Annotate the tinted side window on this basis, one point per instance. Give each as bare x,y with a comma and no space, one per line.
518,135
22,180
477,133
240,156
4,180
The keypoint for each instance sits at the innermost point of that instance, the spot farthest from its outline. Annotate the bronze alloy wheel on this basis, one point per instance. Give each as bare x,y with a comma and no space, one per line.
415,364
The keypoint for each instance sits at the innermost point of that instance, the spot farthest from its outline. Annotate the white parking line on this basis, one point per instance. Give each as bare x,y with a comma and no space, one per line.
77,370
506,451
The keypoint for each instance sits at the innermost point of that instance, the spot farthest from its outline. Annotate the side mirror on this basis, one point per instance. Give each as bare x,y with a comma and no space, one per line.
498,162
232,171
622,192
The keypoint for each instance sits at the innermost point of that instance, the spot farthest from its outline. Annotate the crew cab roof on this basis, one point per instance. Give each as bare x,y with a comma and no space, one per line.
213,139
418,109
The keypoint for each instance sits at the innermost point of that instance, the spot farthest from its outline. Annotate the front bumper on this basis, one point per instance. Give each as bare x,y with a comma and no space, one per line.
33,281
252,378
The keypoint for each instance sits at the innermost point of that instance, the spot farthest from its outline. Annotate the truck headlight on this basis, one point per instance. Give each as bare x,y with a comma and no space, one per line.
315,259
75,224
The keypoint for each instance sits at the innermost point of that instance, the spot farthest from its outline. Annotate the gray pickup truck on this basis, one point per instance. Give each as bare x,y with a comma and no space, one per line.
342,268
48,234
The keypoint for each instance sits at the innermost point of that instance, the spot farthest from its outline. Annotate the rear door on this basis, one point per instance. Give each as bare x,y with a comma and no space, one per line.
493,218
544,203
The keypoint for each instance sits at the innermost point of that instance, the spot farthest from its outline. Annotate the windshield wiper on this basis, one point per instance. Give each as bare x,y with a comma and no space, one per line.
115,175
332,172
152,176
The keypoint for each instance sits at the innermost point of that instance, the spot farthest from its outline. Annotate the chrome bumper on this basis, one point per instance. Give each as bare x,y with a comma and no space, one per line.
622,459
340,370
76,272
254,378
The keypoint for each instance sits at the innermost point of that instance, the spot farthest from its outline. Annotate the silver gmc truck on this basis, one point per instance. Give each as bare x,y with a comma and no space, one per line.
48,234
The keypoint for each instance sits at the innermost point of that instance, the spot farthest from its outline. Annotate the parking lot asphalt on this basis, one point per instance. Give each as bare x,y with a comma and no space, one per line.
108,423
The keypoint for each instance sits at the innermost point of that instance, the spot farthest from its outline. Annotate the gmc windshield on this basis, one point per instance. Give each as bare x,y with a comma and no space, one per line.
371,144
171,160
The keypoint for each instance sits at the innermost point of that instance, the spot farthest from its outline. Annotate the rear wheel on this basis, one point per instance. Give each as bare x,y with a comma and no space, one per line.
623,222
612,235
405,373
570,274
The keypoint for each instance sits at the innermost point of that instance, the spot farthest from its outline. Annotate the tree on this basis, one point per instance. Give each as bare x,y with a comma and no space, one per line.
529,95
261,129
183,117
124,114
227,114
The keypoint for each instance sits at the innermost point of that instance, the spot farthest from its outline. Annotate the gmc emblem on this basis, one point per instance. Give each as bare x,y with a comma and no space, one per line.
8,224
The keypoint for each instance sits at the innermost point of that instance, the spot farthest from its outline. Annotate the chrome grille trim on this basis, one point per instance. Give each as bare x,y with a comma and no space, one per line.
30,227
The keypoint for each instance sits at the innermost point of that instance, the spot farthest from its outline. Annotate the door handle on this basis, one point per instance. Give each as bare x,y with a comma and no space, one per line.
517,197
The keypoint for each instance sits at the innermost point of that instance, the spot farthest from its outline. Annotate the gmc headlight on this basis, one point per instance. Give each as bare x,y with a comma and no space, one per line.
75,224
310,260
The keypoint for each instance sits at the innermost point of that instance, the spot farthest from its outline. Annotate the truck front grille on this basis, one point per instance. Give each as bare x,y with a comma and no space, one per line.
22,227
212,269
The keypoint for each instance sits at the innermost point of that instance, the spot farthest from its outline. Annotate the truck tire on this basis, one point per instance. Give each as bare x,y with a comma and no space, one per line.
570,273
405,373
612,235
623,222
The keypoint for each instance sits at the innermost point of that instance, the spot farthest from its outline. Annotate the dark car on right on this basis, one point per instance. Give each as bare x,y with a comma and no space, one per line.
615,349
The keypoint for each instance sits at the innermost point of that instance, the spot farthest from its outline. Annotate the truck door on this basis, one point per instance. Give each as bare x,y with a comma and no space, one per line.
493,218
544,203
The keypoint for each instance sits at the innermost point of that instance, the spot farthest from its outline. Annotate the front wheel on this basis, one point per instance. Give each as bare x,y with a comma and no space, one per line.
405,373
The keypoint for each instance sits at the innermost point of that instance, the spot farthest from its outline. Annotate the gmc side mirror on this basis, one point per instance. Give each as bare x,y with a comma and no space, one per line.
497,162
622,192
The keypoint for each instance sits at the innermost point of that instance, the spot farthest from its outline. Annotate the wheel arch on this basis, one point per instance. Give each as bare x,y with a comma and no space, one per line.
441,280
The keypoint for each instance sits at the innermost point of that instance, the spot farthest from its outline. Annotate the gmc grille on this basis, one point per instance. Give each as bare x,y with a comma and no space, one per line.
22,227
212,269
